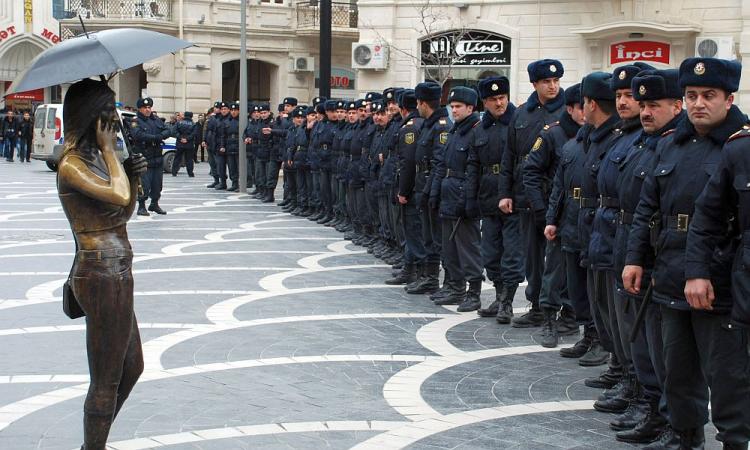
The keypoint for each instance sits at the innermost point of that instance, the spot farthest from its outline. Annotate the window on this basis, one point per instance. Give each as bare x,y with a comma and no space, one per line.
39,117
51,118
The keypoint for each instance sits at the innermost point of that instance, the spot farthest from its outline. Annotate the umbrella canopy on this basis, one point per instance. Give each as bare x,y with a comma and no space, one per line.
98,53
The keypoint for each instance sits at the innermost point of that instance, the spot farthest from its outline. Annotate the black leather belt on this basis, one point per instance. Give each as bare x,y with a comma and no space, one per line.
626,218
324,146
589,202
492,168
575,193
608,202
450,173
680,222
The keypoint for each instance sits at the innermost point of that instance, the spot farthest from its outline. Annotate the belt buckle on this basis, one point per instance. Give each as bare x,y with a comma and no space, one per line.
577,193
496,169
682,222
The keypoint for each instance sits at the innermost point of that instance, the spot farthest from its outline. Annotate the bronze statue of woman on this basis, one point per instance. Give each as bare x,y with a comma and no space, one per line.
98,195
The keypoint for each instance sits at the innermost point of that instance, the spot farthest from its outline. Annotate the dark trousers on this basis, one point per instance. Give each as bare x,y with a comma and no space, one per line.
334,186
179,154
373,209
702,352
384,217
342,187
290,181
554,293
601,287
535,243
325,189
314,189
212,165
261,167
221,166
9,148
272,174
502,252
414,251
151,182
462,255
575,277
304,182
432,234
24,149
233,164
250,170
625,313
396,217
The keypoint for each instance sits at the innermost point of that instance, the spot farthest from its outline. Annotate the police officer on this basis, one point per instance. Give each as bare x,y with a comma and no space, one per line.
543,107
408,134
350,138
358,211
501,255
377,150
251,146
230,147
702,349
209,142
313,158
186,134
390,178
369,211
431,142
324,140
261,134
296,158
455,187
280,128
305,194
660,100
220,155
148,132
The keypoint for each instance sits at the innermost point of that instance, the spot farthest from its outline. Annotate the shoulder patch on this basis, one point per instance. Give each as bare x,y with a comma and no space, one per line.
743,132
410,122
443,137
409,138
537,144
133,123
443,122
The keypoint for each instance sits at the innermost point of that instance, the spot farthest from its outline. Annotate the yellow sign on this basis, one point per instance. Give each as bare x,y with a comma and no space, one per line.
28,12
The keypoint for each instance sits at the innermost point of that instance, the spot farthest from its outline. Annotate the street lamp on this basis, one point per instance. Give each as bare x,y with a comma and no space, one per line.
242,163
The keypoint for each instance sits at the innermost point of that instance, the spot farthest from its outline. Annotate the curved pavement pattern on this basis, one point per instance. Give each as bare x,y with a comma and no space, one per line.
264,330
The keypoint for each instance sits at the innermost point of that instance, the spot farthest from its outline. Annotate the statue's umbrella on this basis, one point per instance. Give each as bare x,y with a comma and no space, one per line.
100,53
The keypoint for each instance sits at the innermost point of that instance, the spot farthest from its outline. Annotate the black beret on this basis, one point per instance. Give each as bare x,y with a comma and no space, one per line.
141,102
299,112
360,103
330,105
596,86
377,106
217,104
656,85
264,107
351,106
710,72
341,104
223,105
373,96
188,114
279,107
545,68
310,110
429,90
290,101
463,94
321,108
318,100
234,106
573,94
407,99
390,94
622,77
492,86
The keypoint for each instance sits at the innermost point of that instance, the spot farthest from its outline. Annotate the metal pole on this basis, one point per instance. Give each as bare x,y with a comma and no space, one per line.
242,163
325,49
182,58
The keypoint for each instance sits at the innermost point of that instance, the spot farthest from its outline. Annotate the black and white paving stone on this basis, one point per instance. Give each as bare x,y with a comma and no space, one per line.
264,330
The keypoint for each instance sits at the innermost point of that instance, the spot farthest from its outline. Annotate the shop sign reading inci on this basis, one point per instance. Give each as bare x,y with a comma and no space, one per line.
465,48
649,51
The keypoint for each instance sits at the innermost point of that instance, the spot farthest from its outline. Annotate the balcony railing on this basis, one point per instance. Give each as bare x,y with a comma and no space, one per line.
159,10
343,15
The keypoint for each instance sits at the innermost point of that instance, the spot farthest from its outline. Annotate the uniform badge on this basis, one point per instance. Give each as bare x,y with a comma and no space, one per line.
409,138
622,75
443,137
494,87
642,90
553,68
133,124
537,144
699,69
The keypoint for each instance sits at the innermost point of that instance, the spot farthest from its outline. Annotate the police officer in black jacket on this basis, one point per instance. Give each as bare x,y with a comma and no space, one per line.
455,187
227,156
186,135
538,173
323,138
543,107
660,100
702,350
209,143
502,256
148,132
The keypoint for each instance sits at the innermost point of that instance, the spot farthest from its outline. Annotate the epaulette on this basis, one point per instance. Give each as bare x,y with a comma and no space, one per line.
668,132
550,125
743,132
442,122
410,122
476,123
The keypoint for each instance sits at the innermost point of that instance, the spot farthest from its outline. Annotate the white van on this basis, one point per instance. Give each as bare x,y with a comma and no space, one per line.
49,136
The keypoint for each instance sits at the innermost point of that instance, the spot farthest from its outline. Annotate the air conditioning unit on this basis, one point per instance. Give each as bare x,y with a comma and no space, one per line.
715,47
302,64
369,56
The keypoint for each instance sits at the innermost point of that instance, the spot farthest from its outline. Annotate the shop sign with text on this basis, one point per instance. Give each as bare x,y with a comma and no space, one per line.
647,51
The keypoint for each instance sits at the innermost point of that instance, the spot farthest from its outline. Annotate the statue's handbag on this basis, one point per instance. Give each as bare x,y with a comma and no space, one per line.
71,307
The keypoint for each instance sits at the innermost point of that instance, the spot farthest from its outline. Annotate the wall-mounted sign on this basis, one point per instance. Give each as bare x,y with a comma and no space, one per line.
340,79
28,13
465,48
630,51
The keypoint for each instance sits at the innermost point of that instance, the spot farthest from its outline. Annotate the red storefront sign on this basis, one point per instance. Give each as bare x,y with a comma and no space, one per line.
629,51
35,95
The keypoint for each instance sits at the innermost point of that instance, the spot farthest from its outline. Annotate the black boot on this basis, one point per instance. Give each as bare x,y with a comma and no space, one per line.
566,324
234,188
648,429
726,445
581,347
407,275
667,440
619,402
492,309
269,196
596,356
213,185
692,439
632,416
142,208
222,185
443,291
533,318
505,313
417,278
154,206
456,294
429,282
549,338
472,300
607,380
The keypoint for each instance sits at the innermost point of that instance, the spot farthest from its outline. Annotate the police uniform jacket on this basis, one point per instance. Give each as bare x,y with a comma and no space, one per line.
599,142
229,133
726,197
148,134
265,141
431,141
604,226
211,131
278,140
376,149
367,135
287,146
638,162
337,151
252,131
356,149
298,152
324,138
685,161
186,129
541,165
350,139
406,150
564,199
313,147
456,181
525,126
389,169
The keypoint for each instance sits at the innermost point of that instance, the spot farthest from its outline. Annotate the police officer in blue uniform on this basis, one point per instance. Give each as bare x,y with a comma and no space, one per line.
209,141
186,134
702,349
390,177
229,148
369,210
430,142
502,257
538,173
358,204
543,107
148,133
660,100
313,158
251,135
455,188
377,151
